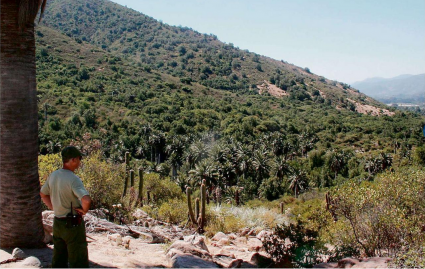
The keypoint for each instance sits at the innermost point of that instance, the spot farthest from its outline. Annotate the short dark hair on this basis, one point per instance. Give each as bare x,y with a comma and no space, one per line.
69,153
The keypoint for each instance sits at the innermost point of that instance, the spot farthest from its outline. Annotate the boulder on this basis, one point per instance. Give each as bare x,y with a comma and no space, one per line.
140,214
236,263
197,241
227,262
189,248
261,261
19,254
244,231
185,260
227,252
218,236
31,262
223,242
263,234
241,240
245,264
232,236
252,232
254,244
152,238
48,215
375,262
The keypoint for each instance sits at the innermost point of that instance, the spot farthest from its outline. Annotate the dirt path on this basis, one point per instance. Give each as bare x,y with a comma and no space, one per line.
103,254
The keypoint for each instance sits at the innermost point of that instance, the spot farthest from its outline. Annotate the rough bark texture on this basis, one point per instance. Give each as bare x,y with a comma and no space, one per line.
20,203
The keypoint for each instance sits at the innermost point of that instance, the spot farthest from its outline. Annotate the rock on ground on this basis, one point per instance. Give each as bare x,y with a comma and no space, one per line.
375,262
31,262
185,260
18,254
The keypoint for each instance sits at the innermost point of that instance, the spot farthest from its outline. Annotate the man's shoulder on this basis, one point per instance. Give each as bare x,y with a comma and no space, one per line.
64,174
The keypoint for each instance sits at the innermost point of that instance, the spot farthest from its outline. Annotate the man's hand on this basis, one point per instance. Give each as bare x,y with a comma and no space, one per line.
79,210
85,201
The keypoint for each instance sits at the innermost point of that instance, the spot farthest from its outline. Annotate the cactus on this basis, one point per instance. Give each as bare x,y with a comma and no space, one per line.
148,196
201,221
127,159
189,205
125,185
331,205
208,197
197,208
131,178
281,207
140,196
218,195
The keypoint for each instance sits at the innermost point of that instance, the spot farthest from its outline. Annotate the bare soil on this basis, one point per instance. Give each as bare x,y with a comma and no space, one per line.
102,254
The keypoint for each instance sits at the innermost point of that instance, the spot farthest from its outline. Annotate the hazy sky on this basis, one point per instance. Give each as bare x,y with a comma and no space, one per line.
344,40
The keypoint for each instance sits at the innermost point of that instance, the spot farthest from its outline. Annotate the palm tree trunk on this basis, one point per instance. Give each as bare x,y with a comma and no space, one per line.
20,221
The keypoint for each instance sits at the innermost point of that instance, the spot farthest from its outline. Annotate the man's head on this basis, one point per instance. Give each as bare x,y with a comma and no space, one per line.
71,157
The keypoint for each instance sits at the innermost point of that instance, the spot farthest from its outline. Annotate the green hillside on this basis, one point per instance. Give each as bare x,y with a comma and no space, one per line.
185,53
195,107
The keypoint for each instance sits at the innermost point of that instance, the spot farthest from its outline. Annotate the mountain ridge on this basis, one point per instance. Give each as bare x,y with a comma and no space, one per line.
403,88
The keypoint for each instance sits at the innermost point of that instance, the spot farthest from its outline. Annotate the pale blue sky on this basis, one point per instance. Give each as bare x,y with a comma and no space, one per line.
344,40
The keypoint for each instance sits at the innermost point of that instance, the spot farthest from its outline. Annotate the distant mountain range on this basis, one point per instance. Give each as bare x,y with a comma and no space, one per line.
400,89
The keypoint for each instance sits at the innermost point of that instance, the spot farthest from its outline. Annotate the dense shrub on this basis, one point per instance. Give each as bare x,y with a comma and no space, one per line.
103,180
383,217
174,211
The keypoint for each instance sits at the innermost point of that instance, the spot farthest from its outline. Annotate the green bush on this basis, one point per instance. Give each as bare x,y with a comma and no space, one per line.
161,190
174,211
103,180
387,214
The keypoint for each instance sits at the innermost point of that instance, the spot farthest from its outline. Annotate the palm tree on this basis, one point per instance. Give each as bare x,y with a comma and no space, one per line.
20,222
243,159
297,181
280,167
260,163
205,169
335,162
157,142
175,150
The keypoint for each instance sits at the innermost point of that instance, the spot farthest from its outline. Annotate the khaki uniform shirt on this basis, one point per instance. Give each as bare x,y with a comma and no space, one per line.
64,187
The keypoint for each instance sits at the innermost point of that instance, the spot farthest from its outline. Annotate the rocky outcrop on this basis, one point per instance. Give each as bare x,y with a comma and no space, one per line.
375,262
193,252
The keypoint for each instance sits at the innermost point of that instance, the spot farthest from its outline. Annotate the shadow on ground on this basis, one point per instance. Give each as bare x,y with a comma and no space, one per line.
43,254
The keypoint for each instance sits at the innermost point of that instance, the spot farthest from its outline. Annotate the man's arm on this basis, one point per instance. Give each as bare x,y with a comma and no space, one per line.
85,203
46,200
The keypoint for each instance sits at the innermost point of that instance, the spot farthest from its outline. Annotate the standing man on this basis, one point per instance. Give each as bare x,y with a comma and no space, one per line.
61,190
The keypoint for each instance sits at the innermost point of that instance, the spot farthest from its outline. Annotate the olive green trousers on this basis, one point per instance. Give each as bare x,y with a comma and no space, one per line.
70,245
